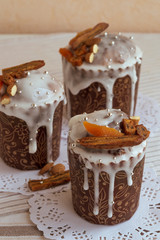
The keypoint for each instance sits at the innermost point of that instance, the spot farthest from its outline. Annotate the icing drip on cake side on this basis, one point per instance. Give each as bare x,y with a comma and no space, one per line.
99,160
37,98
112,61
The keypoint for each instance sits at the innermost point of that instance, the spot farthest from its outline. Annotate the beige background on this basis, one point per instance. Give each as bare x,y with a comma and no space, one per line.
48,16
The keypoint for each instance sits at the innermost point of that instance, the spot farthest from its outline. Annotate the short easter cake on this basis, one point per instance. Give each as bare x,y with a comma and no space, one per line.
106,151
101,70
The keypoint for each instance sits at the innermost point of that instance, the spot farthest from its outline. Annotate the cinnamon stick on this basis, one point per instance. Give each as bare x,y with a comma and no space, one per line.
33,65
53,181
110,142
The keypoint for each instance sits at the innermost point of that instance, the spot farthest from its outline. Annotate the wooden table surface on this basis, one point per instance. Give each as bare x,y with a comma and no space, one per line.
14,215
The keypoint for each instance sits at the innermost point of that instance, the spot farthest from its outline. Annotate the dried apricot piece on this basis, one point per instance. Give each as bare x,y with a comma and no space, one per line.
97,130
66,53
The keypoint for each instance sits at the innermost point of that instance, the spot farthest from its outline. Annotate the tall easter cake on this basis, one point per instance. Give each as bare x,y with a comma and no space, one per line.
101,71
30,116
106,157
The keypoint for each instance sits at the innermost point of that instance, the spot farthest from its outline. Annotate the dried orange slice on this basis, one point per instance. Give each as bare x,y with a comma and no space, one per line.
97,130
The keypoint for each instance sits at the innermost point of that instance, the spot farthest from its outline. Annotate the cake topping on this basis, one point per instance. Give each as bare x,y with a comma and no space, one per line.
110,138
110,47
98,131
84,45
110,142
9,76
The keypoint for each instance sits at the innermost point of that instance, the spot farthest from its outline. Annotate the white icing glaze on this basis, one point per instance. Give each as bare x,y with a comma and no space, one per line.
99,160
37,98
111,62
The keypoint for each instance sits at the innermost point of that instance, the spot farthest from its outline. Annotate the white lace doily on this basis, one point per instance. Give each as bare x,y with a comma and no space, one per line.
149,112
14,180
54,215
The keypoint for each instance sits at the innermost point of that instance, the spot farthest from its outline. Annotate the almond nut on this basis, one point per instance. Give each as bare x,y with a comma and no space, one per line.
12,89
5,99
57,169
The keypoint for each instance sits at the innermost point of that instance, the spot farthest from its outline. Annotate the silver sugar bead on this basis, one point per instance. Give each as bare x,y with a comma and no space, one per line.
109,114
85,118
47,93
42,78
17,81
116,37
28,73
45,72
31,139
105,34
33,105
55,91
112,43
109,66
73,145
38,92
131,37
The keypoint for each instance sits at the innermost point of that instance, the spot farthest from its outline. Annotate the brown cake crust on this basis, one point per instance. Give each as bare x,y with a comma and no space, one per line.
14,141
93,97
126,198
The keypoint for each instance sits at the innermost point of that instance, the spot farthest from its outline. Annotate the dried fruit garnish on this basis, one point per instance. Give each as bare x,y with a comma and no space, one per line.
142,131
1,84
66,53
110,138
16,72
84,45
129,126
110,142
97,130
